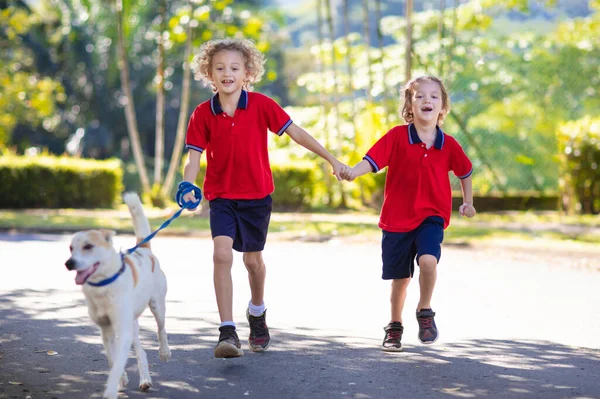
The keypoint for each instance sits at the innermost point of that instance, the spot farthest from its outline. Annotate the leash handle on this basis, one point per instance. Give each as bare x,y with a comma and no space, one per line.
184,188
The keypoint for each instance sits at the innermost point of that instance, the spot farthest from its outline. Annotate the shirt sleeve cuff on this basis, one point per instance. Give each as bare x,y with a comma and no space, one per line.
467,175
372,162
284,128
195,148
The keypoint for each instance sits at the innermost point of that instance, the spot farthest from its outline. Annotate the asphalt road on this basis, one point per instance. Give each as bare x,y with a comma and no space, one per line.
514,323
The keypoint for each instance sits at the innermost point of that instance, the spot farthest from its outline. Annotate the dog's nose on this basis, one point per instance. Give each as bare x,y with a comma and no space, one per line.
70,264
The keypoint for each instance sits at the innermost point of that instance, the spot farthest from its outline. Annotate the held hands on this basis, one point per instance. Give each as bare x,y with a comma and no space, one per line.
347,173
467,210
337,168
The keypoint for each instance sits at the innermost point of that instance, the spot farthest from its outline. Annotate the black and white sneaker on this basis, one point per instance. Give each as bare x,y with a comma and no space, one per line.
229,344
393,337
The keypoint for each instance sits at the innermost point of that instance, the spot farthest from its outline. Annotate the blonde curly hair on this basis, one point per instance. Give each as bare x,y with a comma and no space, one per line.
254,60
412,86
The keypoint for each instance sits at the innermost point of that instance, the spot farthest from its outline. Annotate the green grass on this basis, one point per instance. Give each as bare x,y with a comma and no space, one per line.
321,226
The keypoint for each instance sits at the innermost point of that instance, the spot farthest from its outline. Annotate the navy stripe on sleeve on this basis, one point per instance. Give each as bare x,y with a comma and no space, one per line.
193,147
467,175
284,128
372,162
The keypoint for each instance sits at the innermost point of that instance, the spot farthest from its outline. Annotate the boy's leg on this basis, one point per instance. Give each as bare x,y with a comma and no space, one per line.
427,279
392,342
428,242
223,260
256,313
398,298
397,255
229,343
257,273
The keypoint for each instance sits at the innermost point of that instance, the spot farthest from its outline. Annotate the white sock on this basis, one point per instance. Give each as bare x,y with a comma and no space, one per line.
228,323
256,310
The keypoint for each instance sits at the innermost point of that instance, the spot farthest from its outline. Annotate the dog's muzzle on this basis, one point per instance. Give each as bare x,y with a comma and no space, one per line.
70,264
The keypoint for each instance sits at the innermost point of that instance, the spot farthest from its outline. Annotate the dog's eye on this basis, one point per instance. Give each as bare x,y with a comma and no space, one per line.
88,246
70,248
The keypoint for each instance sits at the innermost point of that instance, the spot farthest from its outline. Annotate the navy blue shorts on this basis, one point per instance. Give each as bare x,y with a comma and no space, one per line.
245,221
399,250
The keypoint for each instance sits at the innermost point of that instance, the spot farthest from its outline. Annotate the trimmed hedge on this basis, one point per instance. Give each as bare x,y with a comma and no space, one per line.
59,182
296,184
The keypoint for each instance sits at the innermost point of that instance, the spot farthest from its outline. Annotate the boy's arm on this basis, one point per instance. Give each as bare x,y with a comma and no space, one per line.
190,172
361,168
467,209
307,141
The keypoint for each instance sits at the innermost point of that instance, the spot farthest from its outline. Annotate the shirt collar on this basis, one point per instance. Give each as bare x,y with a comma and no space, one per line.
413,136
215,105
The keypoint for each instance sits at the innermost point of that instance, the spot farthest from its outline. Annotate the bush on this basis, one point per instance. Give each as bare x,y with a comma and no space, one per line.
58,182
296,183
579,143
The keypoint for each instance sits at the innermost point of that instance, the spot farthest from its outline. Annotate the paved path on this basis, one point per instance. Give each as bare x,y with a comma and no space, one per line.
514,323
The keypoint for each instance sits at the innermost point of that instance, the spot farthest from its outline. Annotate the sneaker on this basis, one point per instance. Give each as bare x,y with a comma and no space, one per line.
428,332
229,343
393,336
259,338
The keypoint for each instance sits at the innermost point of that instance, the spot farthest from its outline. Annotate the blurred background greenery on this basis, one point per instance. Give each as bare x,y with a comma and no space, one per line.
110,80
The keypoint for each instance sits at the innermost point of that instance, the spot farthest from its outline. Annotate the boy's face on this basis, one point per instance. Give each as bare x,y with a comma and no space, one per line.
427,102
228,71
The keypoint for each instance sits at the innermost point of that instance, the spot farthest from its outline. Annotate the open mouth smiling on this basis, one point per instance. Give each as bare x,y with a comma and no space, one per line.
83,275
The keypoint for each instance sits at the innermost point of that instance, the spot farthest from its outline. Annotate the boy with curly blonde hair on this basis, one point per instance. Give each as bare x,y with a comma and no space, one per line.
417,200
232,129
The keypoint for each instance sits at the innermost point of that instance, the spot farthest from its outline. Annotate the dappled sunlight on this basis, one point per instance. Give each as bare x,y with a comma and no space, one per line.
314,362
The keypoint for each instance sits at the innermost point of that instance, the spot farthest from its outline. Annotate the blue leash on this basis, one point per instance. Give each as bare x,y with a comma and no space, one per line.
183,189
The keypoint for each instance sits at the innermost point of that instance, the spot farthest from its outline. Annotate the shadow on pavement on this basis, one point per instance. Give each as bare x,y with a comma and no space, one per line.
309,364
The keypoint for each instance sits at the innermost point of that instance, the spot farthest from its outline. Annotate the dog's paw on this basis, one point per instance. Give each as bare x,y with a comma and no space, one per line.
145,384
164,354
123,382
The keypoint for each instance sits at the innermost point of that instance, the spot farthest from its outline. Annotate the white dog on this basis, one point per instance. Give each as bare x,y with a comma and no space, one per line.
118,288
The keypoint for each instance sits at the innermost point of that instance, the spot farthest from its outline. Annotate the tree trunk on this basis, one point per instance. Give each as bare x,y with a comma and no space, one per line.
441,34
380,48
367,33
322,97
159,139
183,110
336,94
130,117
349,68
408,55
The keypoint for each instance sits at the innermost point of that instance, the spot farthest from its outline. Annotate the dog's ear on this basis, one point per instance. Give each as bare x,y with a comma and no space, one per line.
108,235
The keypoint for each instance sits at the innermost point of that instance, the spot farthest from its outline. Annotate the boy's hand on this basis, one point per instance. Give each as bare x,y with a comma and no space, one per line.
189,197
347,173
467,210
337,168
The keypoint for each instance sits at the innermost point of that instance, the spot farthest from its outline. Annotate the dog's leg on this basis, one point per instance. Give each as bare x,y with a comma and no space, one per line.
123,327
158,308
108,339
142,360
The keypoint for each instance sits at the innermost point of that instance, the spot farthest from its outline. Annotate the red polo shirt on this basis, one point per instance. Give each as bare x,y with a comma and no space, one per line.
417,184
236,147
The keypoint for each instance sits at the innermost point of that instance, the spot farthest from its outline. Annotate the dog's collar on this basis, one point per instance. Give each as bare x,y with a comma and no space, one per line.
110,279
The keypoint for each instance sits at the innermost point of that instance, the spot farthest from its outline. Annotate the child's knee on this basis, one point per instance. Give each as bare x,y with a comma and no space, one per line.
400,283
427,263
253,261
223,256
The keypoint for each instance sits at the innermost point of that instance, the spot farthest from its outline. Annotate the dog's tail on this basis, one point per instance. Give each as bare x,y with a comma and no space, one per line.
141,226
